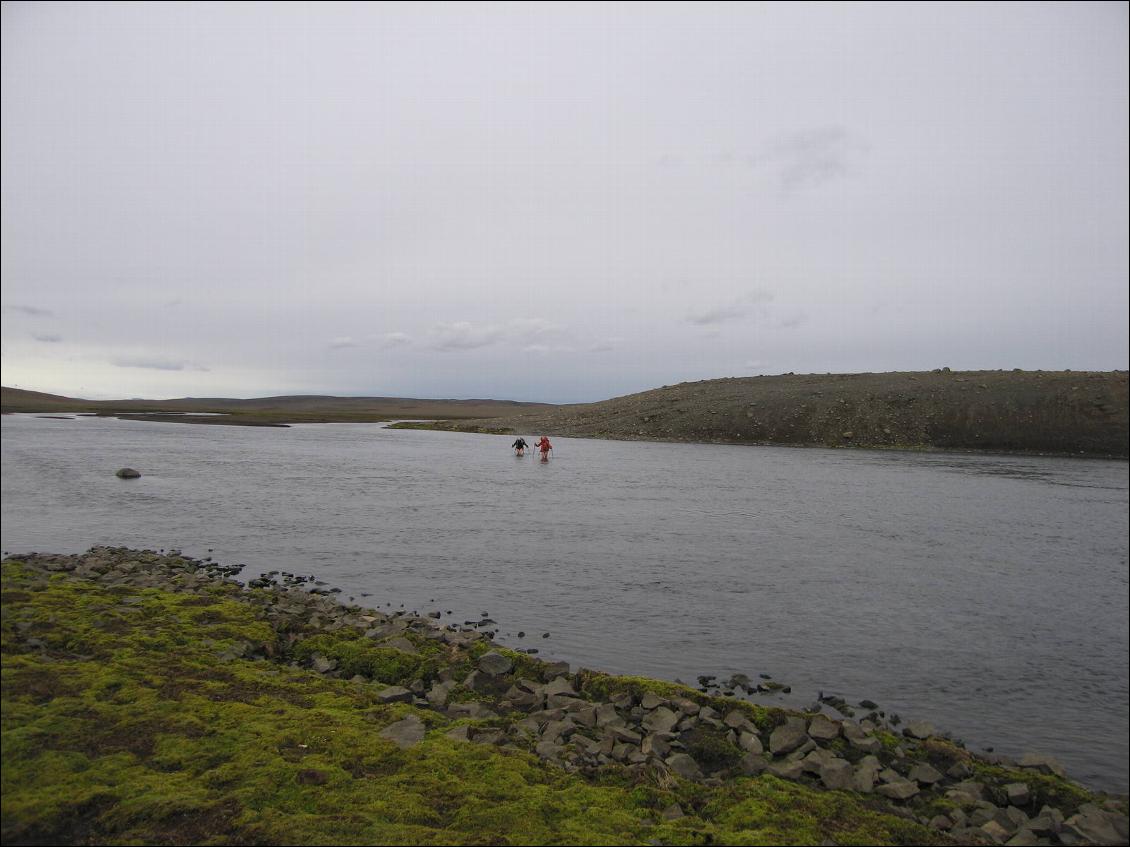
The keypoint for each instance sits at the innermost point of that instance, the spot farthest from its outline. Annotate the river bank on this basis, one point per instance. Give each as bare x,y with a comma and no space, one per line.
152,697
1064,413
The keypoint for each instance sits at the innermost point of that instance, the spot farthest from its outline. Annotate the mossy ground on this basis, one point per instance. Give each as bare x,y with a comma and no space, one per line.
127,719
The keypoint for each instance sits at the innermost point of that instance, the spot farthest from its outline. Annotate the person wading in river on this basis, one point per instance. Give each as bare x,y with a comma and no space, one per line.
544,446
520,446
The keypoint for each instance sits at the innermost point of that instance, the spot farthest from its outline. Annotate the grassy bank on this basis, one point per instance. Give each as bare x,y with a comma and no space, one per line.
148,700
1064,412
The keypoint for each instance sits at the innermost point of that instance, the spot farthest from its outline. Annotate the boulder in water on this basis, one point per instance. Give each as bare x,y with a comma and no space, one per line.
127,473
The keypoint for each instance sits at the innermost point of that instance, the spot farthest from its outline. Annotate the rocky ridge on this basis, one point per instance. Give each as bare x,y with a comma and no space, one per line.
586,722
1059,412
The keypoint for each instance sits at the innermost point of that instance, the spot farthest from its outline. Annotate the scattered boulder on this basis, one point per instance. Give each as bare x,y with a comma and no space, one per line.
920,730
405,733
683,765
788,737
495,664
394,694
823,728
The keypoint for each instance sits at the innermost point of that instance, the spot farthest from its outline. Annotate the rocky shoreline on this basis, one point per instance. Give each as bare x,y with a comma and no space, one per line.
451,679
1062,413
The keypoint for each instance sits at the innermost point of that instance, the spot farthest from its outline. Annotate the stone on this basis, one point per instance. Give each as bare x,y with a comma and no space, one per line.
394,694
564,701
560,685
1024,838
1093,824
621,751
823,728
1048,822
490,736
622,733
868,744
940,822
495,664
548,750
900,789
661,719
321,664
552,670
652,701
1018,793
672,812
1040,762
751,743
753,764
863,779
126,473
837,775
788,737
474,709
655,745
786,770
607,715
919,729
402,644
479,681
406,733
554,730
459,733
997,833
737,719
924,774
683,765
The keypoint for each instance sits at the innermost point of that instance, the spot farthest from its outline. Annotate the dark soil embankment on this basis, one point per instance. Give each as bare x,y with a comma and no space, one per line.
1062,412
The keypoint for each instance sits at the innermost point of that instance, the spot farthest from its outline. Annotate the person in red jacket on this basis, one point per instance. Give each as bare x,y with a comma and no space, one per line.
544,446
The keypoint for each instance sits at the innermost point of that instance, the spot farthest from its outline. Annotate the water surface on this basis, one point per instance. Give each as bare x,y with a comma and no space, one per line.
987,594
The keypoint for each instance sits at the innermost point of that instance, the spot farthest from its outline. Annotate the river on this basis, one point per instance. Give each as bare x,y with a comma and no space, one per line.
987,594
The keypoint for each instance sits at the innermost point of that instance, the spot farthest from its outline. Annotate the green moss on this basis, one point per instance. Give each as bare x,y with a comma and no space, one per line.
360,656
1044,788
709,747
131,726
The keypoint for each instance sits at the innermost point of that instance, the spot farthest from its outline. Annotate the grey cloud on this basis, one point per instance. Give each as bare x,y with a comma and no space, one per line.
734,309
462,335
533,330
342,343
30,310
395,339
156,364
48,339
815,156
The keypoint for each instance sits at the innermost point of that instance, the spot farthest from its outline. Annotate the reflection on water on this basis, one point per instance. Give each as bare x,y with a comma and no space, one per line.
986,594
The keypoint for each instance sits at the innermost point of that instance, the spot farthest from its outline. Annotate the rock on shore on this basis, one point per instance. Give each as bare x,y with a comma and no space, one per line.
591,724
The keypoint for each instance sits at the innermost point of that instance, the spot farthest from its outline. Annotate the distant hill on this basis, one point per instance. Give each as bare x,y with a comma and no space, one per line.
1062,412
269,410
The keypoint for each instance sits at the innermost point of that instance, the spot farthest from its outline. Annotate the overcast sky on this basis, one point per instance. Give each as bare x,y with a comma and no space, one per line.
556,202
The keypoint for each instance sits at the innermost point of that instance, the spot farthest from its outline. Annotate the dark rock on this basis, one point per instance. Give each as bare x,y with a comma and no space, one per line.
1018,793
127,473
788,737
495,664
394,694
683,765
900,789
406,733
924,774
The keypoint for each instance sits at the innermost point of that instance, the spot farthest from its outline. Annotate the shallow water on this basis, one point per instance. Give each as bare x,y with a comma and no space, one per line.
987,594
